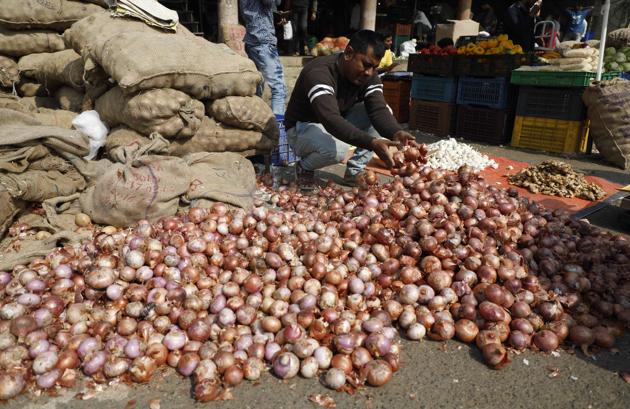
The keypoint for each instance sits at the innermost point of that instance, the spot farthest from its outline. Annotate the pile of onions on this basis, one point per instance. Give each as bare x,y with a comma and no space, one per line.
322,287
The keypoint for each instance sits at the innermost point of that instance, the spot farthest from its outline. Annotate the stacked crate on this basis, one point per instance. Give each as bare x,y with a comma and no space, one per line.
484,105
551,119
433,93
550,114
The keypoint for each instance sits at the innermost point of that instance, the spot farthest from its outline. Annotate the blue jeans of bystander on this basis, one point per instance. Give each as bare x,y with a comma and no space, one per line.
267,60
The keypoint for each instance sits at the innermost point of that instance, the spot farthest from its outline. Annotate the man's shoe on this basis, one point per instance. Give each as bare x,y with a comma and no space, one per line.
350,180
305,179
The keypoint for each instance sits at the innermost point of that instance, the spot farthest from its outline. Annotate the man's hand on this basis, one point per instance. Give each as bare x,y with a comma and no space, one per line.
380,146
403,137
313,15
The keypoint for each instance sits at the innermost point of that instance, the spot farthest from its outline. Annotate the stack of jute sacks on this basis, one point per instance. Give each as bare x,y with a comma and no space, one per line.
178,107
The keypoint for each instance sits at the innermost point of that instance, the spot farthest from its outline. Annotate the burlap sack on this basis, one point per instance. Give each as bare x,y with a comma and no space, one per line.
32,249
19,43
87,31
148,187
29,88
22,130
618,38
9,207
63,67
40,102
45,178
245,113
55,117
122,144
31,164
14,103
69,99
215,137
169,112
9,73
195,66
220,177
608,104
49,14
102,3
92,93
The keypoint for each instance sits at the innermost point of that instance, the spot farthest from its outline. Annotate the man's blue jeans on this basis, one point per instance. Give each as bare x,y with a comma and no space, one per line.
267,60
317,148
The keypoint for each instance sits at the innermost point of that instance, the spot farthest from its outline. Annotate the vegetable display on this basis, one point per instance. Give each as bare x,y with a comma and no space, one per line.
330,45
617,60
493,46
321,284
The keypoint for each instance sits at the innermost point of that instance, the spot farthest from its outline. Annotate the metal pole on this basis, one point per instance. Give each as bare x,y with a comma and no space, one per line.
602,41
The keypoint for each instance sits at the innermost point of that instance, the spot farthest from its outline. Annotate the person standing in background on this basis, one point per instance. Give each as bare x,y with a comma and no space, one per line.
577,25
261,46
300,14
520,21
486,18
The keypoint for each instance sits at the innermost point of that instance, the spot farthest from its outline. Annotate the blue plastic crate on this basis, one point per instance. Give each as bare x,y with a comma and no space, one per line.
486,92
431,88
283,154
626,75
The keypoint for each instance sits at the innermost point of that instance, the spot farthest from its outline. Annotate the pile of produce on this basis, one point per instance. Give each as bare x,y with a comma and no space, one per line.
448,154
617,60
492,46
557,179
330,45
323,286
577,58
436,50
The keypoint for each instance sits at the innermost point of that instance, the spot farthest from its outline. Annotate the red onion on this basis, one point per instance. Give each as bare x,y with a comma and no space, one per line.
11,384
546,340
286,365
378,372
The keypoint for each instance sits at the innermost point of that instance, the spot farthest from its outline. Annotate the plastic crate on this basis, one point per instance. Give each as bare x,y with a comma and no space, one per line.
282,154
625,75
488,92
437,118
555,103
397,94
482,125
432,88
551,135
490,65
429,64
558,78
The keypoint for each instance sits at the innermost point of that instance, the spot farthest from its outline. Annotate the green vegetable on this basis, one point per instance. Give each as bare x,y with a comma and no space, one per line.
610,51
620,57
626,66
614,66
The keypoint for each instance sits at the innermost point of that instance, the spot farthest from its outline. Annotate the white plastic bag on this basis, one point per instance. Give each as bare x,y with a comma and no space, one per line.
408,47
89,123
287,34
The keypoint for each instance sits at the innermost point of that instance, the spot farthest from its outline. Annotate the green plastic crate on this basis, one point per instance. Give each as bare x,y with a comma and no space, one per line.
558,78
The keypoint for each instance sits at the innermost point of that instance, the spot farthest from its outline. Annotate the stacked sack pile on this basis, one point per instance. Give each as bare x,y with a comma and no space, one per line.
178,107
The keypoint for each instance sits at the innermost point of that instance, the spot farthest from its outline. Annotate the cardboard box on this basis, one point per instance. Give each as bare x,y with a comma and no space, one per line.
455,29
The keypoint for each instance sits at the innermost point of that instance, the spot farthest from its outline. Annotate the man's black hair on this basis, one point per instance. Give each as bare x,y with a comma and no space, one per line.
362,40
445,42
386,33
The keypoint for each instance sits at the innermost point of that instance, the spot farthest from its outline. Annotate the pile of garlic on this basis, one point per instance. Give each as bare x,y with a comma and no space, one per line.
449,154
